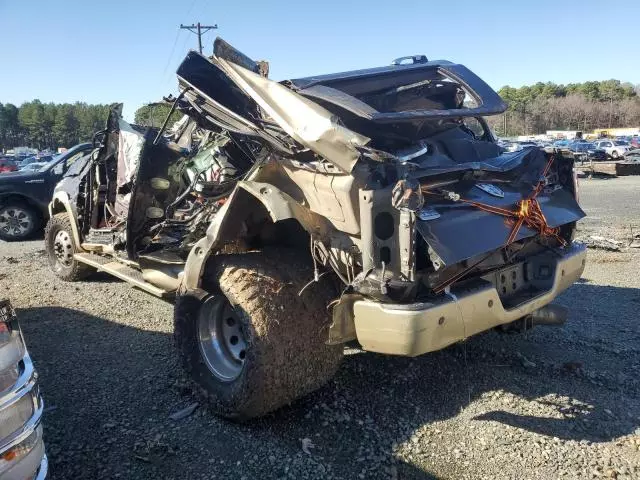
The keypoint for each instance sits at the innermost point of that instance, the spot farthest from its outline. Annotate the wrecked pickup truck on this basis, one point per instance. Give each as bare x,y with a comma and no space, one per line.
291,217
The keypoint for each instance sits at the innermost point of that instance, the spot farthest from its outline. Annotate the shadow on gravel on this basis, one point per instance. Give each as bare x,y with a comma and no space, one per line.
593,360
110,389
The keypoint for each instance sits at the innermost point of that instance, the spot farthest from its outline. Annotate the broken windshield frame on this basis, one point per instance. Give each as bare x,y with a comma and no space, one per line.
339,90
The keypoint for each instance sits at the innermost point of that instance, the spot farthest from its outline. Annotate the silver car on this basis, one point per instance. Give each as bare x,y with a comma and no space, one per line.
614,148
22,454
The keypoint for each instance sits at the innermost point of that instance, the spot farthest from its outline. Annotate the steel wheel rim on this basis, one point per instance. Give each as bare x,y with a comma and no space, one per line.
63,248
15,221
221,338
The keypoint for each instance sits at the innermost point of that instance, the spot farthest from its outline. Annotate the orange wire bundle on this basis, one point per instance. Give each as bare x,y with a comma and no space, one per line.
528,212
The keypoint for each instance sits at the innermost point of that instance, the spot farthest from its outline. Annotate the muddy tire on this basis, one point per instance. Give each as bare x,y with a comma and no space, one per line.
18,221
278,337
60,247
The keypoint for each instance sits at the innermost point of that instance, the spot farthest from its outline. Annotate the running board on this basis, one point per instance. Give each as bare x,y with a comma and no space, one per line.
122,271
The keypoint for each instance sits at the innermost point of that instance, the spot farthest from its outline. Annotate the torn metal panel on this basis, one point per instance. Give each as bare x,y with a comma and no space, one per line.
222,49
342,328
130,143
339,98
461,231
529,162
214,96
216,103
305,121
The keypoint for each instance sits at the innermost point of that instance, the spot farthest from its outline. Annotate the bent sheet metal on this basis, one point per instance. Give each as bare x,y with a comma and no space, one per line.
462,231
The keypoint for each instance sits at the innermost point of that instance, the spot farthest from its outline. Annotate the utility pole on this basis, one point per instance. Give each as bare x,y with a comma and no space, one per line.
199,30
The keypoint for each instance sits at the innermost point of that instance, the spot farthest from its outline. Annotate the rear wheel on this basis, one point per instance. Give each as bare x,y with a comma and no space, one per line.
60,247
17,221
614,154
253,344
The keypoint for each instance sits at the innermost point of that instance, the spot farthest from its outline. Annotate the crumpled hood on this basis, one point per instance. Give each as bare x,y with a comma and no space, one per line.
305,121
231,93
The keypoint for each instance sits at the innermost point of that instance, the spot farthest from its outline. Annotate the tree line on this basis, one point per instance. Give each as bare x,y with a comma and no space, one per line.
531,109
52,125
49,125
575,106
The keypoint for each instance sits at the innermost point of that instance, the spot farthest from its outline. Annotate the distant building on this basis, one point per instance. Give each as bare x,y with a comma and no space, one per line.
616,132
568,134
541,137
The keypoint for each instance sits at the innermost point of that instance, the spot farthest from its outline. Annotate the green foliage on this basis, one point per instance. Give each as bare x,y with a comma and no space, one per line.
575,106
49,125
154,115
603,90
9,126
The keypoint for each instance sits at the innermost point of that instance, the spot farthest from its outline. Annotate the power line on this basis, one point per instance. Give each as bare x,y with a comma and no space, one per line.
199,29
173,50
193,4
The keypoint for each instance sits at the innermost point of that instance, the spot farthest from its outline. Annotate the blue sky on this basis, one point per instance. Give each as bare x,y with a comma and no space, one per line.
127,51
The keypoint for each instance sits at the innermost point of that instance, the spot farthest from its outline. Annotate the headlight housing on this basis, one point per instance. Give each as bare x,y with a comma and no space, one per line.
14,458
12,348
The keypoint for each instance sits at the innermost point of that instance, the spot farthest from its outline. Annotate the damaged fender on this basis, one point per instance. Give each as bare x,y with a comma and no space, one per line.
61,202
226,226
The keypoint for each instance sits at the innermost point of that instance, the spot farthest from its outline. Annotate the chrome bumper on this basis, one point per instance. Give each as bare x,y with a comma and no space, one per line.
419,328
22,450
44,469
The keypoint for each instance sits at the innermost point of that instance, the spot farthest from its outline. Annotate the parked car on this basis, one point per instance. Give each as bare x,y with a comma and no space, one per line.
613,148
33,167
25,195
26,161
21,157
22,453
252,205
8,165
34,159
585,151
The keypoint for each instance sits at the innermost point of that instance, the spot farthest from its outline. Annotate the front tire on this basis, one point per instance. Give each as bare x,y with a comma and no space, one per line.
60,247
253,344
614,154
18,221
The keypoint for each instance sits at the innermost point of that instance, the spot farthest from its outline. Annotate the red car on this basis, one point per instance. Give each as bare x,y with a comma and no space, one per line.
7,165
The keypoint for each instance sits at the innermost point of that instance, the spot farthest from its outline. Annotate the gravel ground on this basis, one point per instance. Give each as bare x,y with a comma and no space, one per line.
552,403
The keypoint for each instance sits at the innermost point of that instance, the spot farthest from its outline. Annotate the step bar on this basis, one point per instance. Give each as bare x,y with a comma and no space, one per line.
121,271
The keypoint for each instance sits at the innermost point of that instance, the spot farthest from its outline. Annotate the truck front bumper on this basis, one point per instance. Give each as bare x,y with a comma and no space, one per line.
22,452
417,328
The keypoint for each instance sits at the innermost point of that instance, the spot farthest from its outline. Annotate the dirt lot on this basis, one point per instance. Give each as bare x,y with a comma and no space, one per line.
553,403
